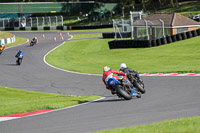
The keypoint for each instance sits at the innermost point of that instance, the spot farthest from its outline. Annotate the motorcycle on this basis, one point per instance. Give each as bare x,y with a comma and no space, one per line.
1,49
19,59
123,88
32,43
137,83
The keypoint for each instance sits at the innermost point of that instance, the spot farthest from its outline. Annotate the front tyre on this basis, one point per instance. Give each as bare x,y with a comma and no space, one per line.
122,93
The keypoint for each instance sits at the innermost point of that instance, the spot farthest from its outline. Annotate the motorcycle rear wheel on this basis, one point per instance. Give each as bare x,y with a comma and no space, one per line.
139,87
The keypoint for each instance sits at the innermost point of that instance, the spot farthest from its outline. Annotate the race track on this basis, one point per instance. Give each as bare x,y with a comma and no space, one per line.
166,97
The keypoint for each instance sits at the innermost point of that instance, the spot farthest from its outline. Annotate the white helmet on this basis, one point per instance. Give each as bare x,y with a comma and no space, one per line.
122,65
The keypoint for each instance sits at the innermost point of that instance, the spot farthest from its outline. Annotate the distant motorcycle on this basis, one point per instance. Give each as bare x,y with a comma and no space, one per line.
19,57
32,43
2,49
123,88
19,60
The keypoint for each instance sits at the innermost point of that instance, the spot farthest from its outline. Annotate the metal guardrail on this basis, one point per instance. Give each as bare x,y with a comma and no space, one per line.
32,22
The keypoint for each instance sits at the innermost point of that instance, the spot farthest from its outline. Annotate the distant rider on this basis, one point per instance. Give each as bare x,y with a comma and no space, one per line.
20,54
35,40
128,70
2,47
107,74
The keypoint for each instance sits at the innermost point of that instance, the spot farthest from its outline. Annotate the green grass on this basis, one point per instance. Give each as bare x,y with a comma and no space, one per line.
19,40
89,56
15,101
4,34
189,9
184,125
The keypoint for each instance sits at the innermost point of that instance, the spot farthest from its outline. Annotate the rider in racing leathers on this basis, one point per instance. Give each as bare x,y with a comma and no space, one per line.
35,40
2,47
107,74
20,53
128,70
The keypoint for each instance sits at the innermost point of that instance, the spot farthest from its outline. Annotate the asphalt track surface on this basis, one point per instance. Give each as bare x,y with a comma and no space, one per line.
166,97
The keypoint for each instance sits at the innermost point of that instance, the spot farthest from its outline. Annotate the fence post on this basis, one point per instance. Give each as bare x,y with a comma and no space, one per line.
56,20
37,21
62,20
49,21
43,21
31,22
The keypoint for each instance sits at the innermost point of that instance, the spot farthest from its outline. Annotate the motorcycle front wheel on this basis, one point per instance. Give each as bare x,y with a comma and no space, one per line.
122,92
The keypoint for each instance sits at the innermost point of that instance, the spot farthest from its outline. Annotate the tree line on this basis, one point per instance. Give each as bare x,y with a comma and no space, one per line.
126,4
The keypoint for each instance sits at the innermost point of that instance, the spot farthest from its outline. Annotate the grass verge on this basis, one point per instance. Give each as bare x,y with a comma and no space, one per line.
89,56
15,101
19,40
184,125
4,34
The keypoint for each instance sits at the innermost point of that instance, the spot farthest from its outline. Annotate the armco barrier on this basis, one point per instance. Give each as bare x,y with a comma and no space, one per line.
36,28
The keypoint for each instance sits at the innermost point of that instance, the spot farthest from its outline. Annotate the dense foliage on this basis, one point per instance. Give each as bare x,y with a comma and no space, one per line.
127,4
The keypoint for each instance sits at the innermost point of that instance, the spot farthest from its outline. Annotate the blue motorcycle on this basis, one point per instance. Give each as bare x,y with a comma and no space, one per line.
124,88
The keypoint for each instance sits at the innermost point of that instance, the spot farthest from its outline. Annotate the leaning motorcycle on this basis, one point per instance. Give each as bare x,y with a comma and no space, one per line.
1,50
123,88
19,59
32,43
138,83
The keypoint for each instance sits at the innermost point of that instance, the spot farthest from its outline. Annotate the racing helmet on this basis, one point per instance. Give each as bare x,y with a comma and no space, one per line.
35,37
122,65
20,50
106,68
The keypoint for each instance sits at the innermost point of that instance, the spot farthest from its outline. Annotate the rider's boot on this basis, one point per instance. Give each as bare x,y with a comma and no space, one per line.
133,92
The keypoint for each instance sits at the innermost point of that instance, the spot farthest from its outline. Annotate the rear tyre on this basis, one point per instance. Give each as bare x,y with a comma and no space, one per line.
122,93
139,87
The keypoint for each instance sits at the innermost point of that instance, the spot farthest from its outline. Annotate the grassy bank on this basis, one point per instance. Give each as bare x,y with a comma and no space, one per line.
188,9
19,40
15,101
185,125
89,56
4,34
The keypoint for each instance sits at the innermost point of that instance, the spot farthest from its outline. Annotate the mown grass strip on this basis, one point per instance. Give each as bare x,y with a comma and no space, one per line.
19,40
89,56
15,101
184,125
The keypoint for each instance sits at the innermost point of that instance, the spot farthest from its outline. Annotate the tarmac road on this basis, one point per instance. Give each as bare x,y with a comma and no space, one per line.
166,97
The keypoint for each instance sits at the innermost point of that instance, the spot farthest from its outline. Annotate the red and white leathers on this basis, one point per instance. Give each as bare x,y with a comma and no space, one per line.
2,47
109,74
